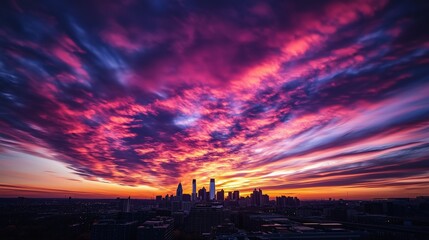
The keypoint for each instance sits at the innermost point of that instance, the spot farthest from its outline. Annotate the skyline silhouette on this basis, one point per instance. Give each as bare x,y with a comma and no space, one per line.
313,99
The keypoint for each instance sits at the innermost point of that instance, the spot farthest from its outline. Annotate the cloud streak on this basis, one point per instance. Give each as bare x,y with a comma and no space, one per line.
274,94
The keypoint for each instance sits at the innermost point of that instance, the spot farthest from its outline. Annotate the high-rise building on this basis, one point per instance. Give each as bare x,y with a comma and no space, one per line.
212,189
230,196
220,195
236,195
194,190
126,206
158,200
186,197
256,197
202,194
265,200
284,201
179,192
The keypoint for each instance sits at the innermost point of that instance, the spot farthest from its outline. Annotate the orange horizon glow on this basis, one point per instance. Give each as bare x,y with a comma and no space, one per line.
322,100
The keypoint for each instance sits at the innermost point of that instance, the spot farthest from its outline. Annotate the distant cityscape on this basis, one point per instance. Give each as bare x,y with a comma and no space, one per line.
214,120
183,201
216,215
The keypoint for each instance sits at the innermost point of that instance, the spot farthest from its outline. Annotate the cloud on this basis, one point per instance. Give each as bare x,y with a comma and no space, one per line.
146,93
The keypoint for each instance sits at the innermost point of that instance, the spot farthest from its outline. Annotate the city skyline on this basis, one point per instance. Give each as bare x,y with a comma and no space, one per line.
313,99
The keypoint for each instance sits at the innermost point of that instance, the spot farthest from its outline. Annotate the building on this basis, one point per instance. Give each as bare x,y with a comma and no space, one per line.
125,205
203,217
283,201
229,196
220,195
176,205
156,228
265,200
236,195
167,201
113,230
202,194
256,197
179,192
194,190
186,206
186,197
212,189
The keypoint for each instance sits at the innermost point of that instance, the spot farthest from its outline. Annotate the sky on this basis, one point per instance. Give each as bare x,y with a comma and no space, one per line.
313,99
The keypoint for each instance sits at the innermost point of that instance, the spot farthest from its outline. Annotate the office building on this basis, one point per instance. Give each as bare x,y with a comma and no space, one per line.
179,192
256,197
202,194
212,189
186,197
220,195
111,229
126,205
236,195
156,228
203,217
194,190
176,205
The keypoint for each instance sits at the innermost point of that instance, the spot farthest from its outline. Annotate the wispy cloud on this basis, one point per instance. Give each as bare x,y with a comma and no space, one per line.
286,95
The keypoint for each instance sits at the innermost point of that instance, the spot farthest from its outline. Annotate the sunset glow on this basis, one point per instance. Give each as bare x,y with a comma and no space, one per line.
329,99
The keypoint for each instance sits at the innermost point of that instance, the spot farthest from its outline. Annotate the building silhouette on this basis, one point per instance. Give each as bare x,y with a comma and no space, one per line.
186,197
229,196
256,197
194,190
236,195
203,217
212,189
113,230
179,192
220,195
284,201
202,194
125,205
156,229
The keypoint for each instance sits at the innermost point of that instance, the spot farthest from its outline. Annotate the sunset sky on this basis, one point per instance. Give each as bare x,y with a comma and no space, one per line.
313,99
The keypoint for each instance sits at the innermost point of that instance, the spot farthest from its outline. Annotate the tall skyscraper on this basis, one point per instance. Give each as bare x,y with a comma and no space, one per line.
179,191
236,195
194,190
212,189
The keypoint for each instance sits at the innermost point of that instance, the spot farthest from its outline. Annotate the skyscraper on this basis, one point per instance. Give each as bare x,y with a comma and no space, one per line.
212,189
256,197
179,192
202,194
236,195
194,190
220,195
126,205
